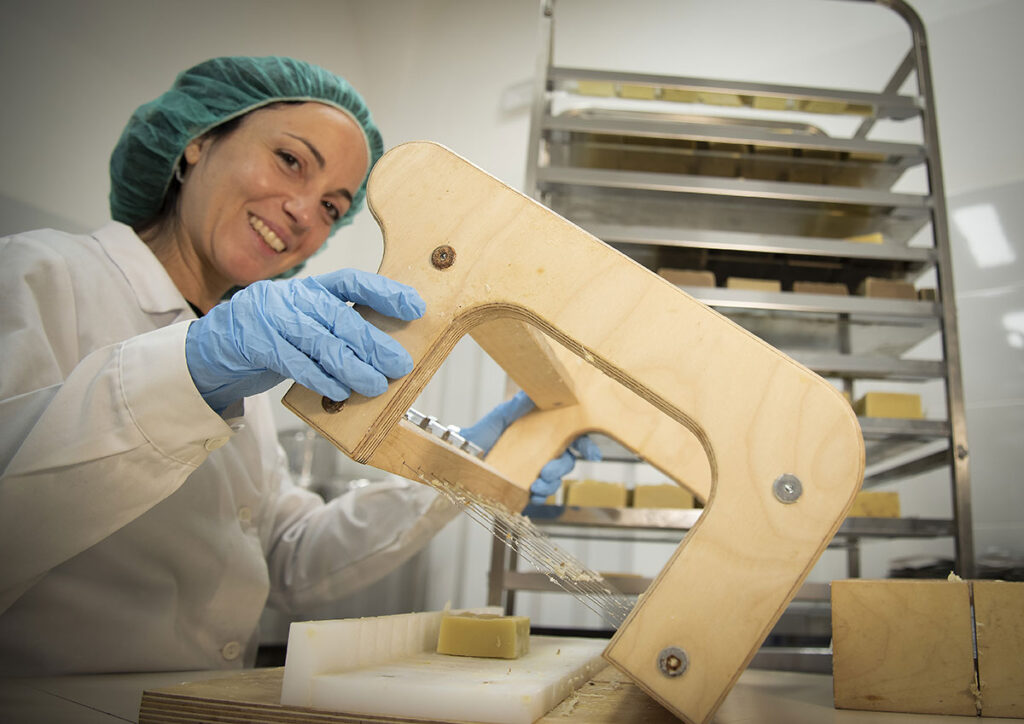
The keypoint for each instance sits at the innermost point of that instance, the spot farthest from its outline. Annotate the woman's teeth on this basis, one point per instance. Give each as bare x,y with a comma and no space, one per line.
272,239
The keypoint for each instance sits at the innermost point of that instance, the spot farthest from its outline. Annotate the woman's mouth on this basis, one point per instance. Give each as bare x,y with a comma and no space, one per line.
267,234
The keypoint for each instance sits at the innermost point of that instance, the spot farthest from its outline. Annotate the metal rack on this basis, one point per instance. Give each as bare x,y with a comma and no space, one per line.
700,186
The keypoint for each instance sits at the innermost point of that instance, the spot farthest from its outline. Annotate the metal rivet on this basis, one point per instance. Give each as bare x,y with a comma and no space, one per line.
673,661
787,488
442,257
961,452
331,406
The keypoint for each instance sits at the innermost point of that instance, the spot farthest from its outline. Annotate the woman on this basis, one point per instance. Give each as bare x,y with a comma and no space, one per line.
146,513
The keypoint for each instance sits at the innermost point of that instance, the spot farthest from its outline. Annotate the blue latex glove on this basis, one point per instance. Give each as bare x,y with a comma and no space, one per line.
301,329
490,427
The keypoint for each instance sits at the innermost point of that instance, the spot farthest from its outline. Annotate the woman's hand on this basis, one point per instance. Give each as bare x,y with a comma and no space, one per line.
490,427
301,329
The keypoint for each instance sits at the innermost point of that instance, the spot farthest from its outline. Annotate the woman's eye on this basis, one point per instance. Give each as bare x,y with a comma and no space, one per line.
332,211
289,159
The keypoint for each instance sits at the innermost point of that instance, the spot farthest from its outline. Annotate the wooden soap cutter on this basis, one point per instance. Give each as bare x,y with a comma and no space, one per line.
781,454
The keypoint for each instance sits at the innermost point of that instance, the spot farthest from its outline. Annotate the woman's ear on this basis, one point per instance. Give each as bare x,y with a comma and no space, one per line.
194,150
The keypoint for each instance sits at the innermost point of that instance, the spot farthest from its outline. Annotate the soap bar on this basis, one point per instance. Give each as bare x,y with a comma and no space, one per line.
889,404
887,288
596,493
820,288
688,277
761,285
661,496
875,504
484,635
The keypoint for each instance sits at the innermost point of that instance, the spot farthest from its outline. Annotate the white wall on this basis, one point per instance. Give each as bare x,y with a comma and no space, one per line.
458,71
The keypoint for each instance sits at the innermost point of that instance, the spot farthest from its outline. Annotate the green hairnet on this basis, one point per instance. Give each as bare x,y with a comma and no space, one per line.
151,145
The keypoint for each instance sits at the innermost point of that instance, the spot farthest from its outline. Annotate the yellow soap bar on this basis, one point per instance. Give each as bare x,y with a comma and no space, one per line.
820,288
484,635
875,238
720,99
599,88
875,504
679,95
761,285
644,92
887,288
688,277
661,496
596,493
771,103
889,404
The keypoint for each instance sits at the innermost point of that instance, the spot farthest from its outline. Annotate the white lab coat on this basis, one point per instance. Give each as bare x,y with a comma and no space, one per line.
140,530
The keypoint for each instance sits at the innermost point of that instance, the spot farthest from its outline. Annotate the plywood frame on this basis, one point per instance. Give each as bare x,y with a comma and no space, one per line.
754,412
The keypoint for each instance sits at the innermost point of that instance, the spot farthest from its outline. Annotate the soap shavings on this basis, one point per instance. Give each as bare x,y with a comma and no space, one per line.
521,535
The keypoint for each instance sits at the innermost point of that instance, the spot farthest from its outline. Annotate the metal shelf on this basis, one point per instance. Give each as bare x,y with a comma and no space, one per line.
732,187
877,105
688,202
598,139
676,127
747,187
879,310
870,368
760,243
564,521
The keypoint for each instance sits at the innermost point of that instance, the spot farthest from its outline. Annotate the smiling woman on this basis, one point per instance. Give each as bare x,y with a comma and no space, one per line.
146,513
146,510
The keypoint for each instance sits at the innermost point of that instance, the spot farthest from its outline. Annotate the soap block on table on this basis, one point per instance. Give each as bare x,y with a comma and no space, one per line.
483,635
999,626
903,646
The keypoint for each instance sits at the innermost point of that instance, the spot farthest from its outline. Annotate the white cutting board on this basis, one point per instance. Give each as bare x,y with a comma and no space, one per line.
398,673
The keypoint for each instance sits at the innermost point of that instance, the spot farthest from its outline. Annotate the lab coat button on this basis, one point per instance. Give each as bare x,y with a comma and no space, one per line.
215,442
245,514
231,650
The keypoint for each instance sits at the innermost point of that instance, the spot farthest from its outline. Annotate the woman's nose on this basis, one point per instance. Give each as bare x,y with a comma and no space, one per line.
300,208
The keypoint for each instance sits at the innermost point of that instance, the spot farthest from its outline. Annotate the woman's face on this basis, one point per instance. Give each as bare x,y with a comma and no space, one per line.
263,198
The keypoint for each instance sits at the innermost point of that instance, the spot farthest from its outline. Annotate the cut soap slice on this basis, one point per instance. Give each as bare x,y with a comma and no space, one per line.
484,635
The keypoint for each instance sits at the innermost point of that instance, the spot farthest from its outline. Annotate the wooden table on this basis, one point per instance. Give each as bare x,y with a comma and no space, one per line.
760,697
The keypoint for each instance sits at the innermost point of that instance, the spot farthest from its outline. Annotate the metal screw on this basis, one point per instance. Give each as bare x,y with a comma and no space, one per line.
787,488
673,661
330,406
961,452
442,257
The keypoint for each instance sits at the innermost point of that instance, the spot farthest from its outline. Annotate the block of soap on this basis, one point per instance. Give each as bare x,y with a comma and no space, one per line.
998,607
484,636
679,95
596,493
875,504
595,88
688,277
887,288
875,238
661,496
903,646
644,92
890,405
761,285
820,288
